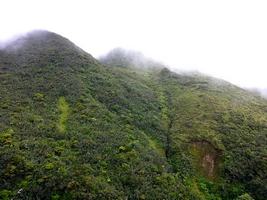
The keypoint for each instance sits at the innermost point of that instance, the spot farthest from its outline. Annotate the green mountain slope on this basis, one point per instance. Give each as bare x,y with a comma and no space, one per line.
73,127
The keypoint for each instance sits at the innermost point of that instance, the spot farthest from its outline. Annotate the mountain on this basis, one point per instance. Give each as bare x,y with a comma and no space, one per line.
132,59
74,127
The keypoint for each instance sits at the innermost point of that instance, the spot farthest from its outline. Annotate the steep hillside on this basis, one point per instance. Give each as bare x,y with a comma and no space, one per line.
72,127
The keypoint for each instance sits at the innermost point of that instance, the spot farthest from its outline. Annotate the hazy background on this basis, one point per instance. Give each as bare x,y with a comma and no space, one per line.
226,39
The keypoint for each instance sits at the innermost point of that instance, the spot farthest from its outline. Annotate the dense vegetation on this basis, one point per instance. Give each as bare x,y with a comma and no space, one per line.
72,127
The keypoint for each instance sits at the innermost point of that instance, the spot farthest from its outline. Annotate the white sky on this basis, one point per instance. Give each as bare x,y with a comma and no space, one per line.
223,38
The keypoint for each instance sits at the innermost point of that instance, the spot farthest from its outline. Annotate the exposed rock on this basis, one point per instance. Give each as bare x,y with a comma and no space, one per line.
206,157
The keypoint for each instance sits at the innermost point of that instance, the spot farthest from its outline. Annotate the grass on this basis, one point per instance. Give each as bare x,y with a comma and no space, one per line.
63,108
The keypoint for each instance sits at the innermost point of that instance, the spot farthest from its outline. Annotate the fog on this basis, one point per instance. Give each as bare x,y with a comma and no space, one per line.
226,39
12,40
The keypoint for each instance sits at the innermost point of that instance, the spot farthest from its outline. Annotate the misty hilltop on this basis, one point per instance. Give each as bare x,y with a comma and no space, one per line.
127,58
123,127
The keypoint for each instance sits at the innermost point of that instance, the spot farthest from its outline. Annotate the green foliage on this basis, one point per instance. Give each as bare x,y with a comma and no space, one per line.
63,108
5,194
39,96
49,166
6,137
245,196
129,133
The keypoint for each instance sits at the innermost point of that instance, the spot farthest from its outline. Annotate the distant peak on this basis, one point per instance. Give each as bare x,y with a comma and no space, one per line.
126,53
129,58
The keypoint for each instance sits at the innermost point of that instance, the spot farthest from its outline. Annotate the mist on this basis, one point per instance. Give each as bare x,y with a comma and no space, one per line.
14,40
3,44
258,91
225,39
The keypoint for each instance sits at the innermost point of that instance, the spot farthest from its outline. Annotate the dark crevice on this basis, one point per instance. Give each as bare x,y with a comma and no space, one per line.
168,139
